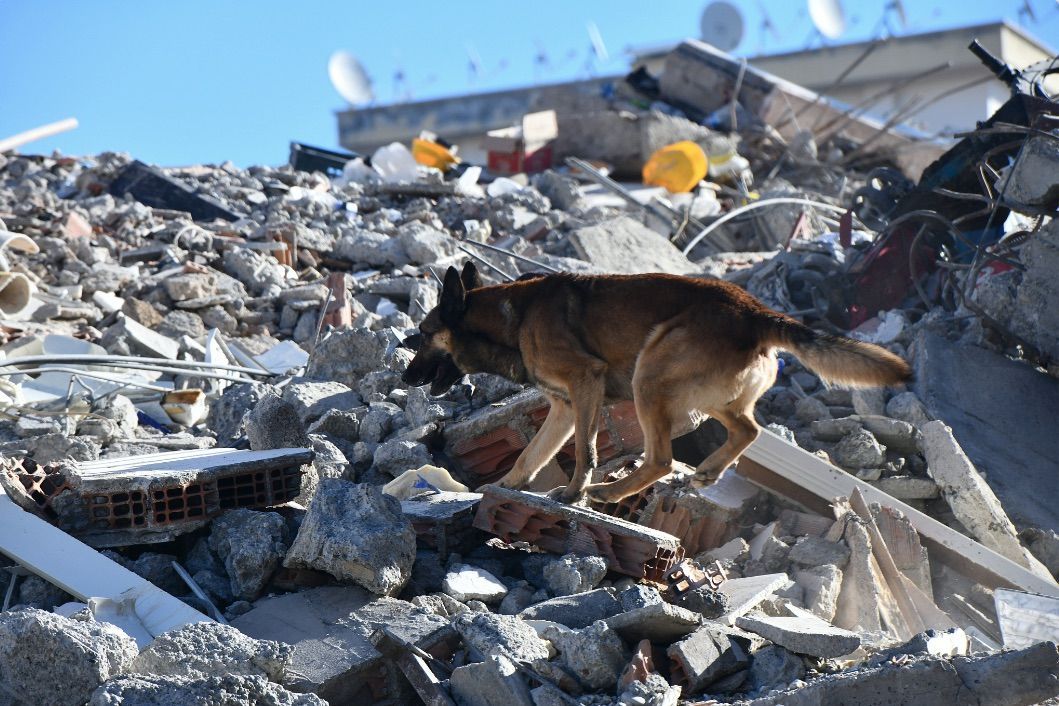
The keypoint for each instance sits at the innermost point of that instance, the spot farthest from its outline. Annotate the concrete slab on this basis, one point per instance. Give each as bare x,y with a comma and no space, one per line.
330,628
1002,412
745,593
624,245
803,634
660,622
577,611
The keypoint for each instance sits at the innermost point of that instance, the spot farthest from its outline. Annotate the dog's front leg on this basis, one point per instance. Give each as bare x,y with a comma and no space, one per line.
543,446
587,399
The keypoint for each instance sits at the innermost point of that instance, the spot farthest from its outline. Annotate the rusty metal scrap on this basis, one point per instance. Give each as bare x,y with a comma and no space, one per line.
630,549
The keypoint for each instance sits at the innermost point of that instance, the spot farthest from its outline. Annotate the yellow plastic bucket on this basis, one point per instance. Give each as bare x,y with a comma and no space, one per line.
431,154
678,167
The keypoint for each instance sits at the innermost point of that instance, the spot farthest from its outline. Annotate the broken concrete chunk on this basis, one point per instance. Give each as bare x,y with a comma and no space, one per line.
817,551
858,601
820,587
312,399
971,498
493,681
347,356
48,659
465,583
907,487
803,634
624,245
745,593
576,611
229,689
396,456
355,533
661,623
487,634
704,657
226,412
859,449
907,407
251,544
774,666
736,550
273,423
596,655
203,649
572,574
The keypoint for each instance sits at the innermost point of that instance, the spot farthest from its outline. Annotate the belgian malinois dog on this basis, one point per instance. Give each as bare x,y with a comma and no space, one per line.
670,344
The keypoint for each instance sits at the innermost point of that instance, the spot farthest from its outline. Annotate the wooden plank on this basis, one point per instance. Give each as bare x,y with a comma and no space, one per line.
85,573
890,573
783,467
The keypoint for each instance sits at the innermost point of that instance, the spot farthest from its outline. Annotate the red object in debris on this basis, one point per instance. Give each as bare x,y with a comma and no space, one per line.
883,278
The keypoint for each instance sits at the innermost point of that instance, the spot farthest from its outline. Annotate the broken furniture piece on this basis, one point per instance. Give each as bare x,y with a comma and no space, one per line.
153,497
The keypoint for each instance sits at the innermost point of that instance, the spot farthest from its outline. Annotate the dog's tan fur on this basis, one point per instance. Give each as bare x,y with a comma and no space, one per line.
671,344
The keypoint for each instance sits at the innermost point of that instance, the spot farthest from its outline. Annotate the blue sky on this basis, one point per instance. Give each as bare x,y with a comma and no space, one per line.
188,81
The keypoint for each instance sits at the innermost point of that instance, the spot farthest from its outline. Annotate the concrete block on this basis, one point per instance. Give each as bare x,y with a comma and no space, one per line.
970,497
820,587
660,622
858,601
705,656
907,487
355,533
577,611
48,659
803,634
817,551
486,634
227,689
596,655
202,649
493,681
626,246
572,574
745,593
464,583
1002,413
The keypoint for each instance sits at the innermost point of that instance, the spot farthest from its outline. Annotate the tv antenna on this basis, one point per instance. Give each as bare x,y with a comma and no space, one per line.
721,25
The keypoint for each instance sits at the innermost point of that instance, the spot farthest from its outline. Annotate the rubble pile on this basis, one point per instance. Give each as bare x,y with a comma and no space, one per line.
201,379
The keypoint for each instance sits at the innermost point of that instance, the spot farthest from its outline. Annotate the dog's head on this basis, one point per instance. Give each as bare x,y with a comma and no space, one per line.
434,343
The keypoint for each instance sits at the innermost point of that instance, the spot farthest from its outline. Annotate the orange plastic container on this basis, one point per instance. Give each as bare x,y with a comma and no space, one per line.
431,154
678,167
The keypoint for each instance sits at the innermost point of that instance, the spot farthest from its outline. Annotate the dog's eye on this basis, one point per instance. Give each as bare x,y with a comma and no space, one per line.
414,341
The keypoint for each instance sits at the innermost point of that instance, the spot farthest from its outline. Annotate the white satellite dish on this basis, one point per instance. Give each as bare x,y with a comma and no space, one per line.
827,17
349,78
721,25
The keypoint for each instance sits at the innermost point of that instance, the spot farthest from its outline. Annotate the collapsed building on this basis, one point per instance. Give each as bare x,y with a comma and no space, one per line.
216,488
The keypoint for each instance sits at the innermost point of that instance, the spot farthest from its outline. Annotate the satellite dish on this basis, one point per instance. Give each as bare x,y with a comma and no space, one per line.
722,25
827,17
349,78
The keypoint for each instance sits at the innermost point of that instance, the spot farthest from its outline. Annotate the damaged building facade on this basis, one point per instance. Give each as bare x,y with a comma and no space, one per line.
217,489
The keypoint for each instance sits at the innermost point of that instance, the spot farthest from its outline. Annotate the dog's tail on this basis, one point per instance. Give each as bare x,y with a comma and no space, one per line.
837,359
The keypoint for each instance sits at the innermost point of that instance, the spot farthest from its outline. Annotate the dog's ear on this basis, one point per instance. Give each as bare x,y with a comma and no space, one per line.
471,278
453,298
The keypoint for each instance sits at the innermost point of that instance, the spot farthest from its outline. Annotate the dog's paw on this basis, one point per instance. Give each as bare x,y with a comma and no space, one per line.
572,496
603,493
699,481
556,493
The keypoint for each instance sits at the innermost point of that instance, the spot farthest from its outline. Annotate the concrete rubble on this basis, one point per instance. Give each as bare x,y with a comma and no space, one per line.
200,376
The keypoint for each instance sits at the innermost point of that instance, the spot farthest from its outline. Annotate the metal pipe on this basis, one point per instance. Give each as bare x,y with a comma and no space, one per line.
494,248
82,373
488,264
760,204
190,372
108,360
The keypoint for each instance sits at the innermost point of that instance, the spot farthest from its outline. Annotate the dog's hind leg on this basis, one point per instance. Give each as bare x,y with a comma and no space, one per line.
742,431
556,430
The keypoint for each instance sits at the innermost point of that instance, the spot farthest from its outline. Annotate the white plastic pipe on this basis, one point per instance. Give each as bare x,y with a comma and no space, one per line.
37,133
15,294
